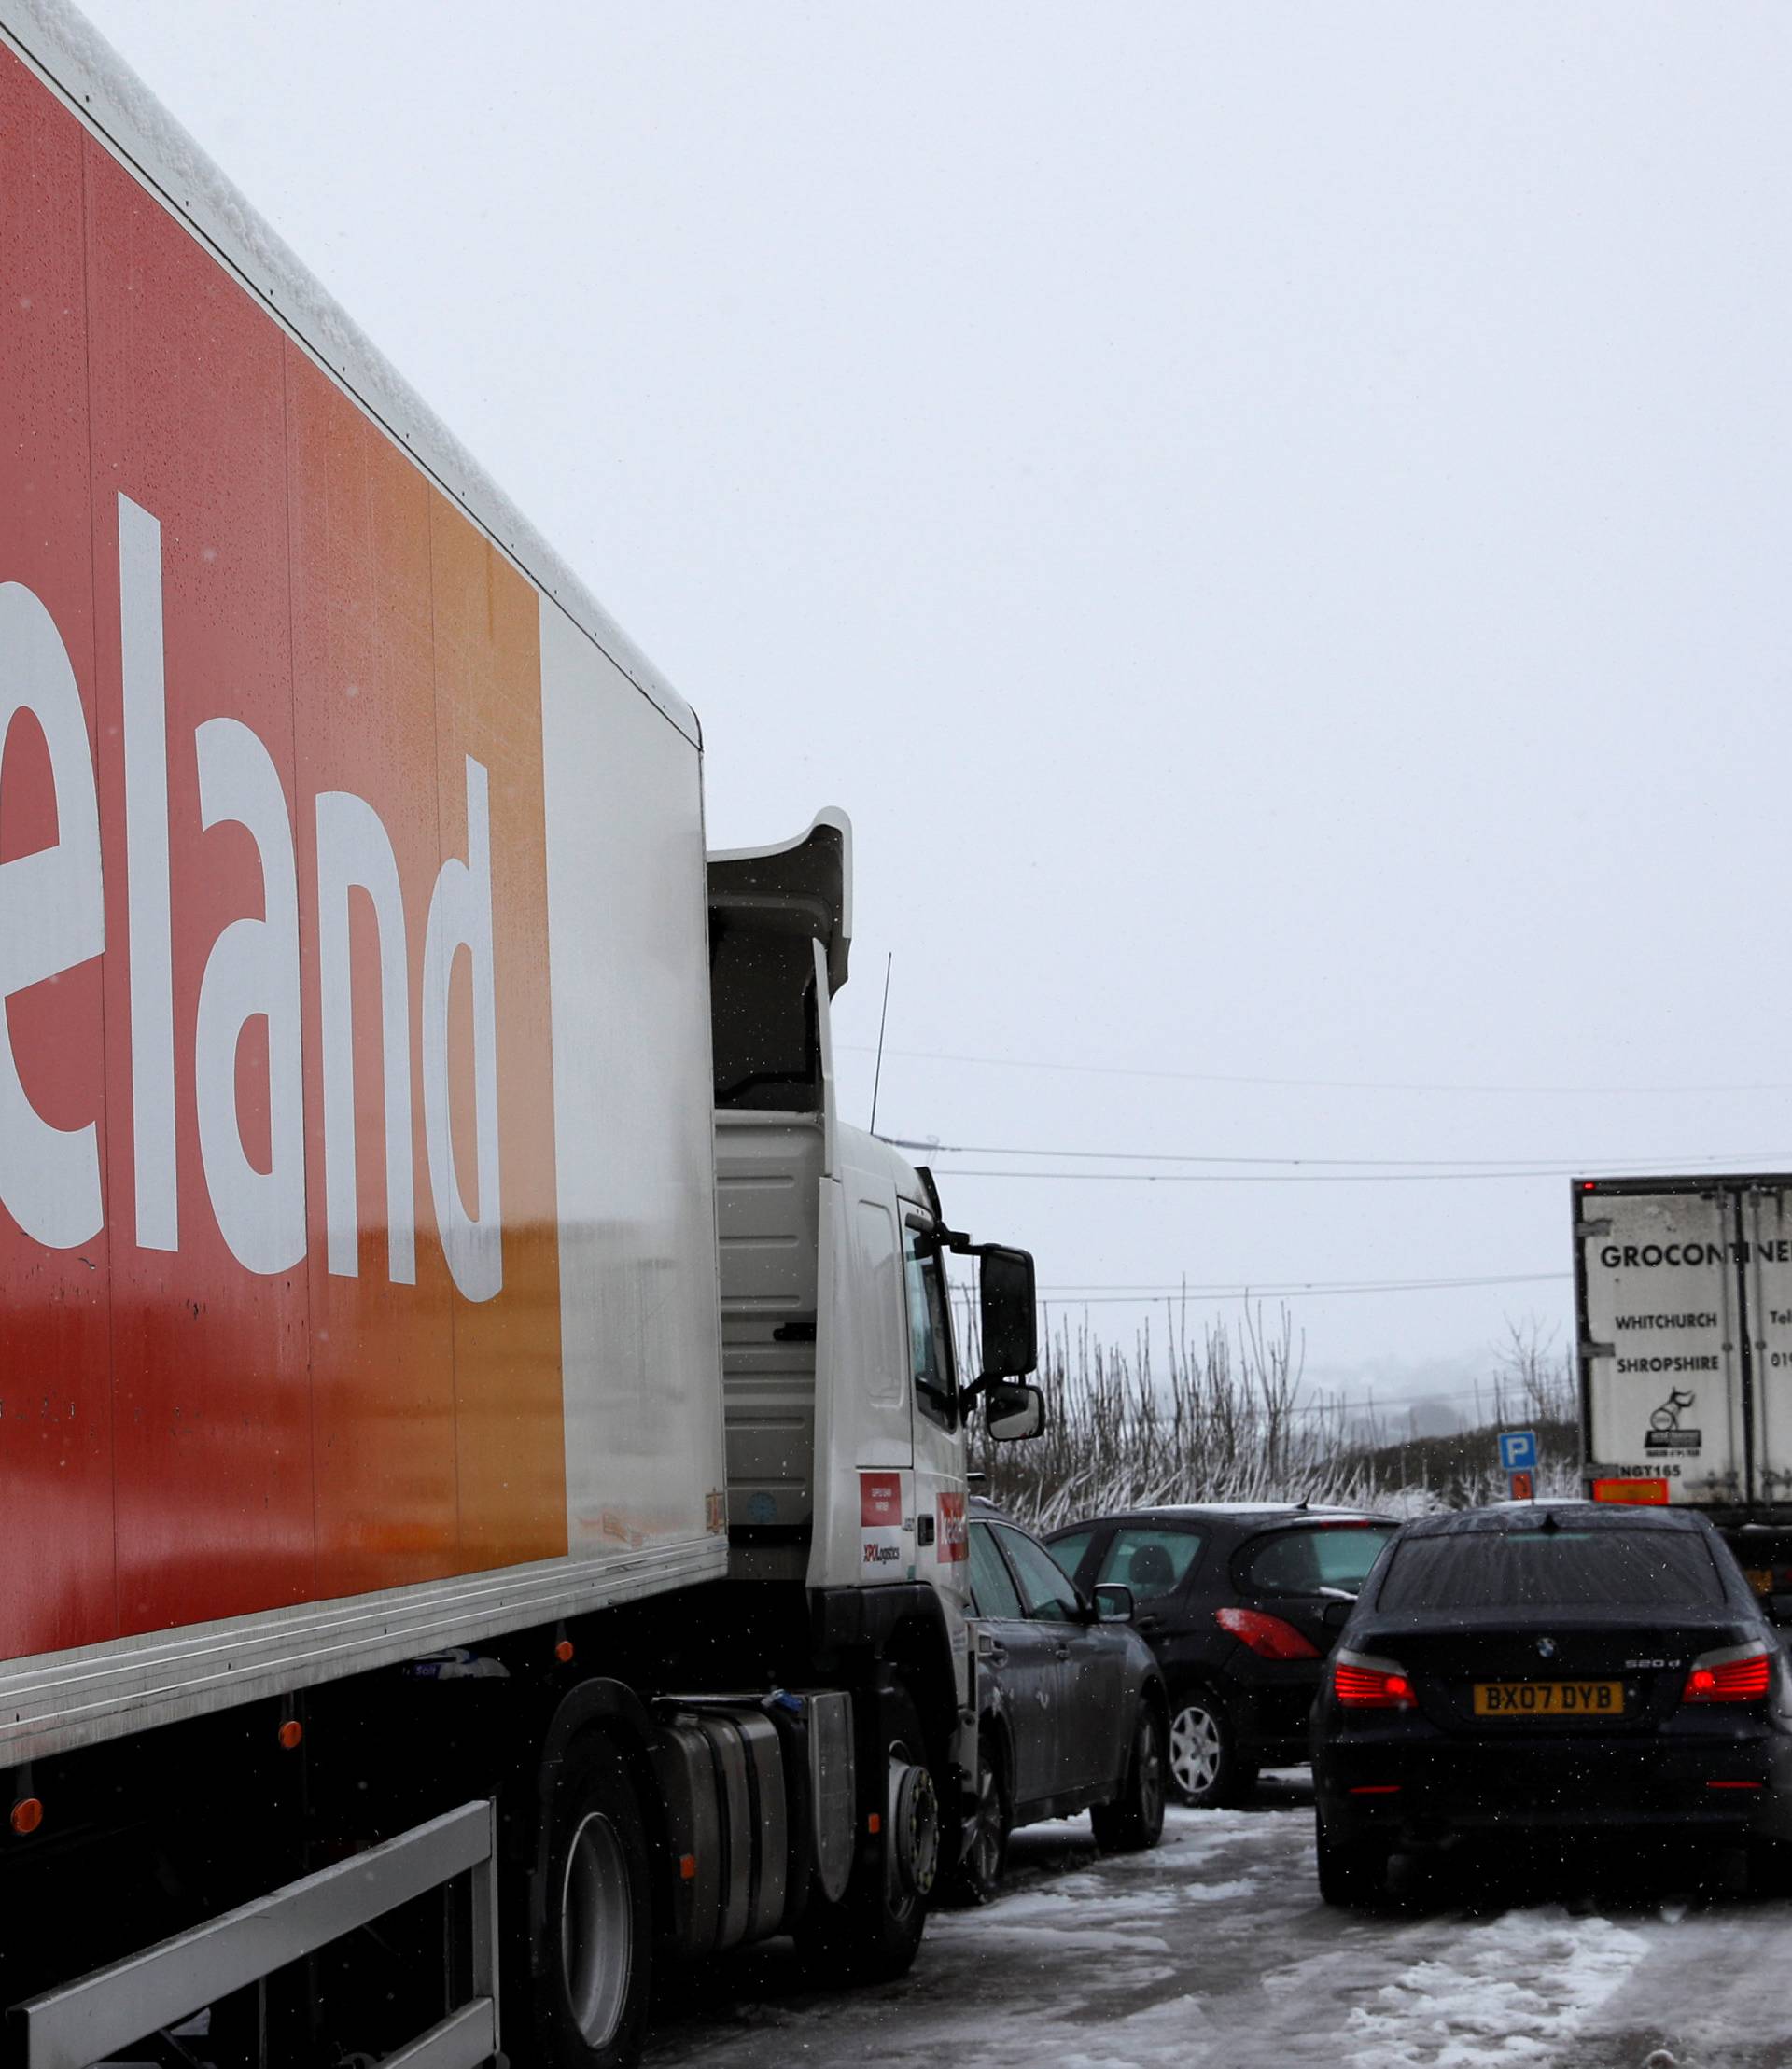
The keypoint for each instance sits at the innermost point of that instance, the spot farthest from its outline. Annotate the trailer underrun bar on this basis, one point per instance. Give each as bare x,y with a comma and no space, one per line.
114,2007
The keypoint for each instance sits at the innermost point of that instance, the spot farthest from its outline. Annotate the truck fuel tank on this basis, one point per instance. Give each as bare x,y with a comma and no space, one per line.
760,1802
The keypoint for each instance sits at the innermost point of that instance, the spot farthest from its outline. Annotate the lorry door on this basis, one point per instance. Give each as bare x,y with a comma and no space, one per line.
1765,1215
938,1430
866,1533
1661,1341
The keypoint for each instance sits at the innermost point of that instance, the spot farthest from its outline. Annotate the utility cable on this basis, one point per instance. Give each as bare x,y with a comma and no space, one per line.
1569,1167
958,1171
1323,1085
1106,1296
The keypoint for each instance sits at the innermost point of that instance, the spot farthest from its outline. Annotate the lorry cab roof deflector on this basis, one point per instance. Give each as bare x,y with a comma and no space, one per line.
802,887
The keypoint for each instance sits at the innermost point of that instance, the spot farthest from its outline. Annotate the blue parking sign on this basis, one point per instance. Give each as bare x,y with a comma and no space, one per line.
1517,1450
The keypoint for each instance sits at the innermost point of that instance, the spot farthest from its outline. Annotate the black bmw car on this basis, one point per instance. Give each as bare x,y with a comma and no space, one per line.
1240,1602
1555,1670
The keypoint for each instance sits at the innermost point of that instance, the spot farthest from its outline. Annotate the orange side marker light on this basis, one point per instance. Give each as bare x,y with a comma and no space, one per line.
27,1815
563,1650
291,1734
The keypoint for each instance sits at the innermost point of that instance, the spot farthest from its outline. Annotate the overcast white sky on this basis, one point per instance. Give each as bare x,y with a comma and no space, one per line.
1273,520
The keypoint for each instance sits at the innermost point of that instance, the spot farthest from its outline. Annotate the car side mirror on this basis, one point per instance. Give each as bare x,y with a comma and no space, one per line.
1113,1602
1010,1312
1012,1413
1335,1615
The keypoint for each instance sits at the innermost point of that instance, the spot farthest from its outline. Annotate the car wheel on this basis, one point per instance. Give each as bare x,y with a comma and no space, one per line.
1769,1866
1352,1873
1134,1821
979,1875
1206,1768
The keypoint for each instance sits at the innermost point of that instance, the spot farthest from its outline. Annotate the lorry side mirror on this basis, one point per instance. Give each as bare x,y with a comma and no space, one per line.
1010,1312
1012,1413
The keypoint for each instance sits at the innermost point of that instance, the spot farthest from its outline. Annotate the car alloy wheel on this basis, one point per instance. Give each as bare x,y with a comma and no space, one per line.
1196,1751
1134,1821
990,1840
986,1842
1150,1759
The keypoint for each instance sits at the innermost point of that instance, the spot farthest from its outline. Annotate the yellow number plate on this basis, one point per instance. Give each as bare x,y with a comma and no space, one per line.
1548,1699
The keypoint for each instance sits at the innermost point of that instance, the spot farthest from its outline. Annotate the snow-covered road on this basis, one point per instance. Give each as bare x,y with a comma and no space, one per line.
1216,1951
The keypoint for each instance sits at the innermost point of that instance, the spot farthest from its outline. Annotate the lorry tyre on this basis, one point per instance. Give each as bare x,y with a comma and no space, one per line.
979,1875
1206,1766
590,1960
1134,1821
872,1934
1352,1873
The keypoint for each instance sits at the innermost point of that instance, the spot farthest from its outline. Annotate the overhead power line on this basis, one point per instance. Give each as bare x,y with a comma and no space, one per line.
1526,1166
1137,1297
1317,1085
959,1171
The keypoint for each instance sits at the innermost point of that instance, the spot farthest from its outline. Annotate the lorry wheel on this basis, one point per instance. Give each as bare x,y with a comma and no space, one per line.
871,1936
591,1960
1134,1821
979,1875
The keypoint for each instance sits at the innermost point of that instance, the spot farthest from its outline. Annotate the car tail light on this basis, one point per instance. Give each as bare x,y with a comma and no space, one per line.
1739,1674
1268,1637
1362,1682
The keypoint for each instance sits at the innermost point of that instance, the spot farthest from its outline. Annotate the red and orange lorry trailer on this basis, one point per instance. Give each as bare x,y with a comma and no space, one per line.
481,1454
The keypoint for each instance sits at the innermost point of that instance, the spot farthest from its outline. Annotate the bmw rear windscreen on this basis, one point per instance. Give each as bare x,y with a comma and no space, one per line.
1565,1569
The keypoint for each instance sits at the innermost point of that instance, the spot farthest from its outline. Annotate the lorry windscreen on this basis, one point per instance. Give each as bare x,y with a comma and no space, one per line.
1565,1569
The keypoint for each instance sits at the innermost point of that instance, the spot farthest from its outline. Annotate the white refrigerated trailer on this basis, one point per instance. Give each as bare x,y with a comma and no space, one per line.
482,1448
1684,1298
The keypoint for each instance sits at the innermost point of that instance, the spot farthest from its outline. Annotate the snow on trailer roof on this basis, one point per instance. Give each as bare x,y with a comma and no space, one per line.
79,64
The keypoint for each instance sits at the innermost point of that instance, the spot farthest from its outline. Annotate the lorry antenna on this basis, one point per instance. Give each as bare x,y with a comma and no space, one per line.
883,1018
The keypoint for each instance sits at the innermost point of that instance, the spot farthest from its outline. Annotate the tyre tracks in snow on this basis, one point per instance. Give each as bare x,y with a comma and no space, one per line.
1214,1952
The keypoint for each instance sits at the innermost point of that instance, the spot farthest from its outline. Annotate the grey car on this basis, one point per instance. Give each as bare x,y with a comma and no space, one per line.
1070,1704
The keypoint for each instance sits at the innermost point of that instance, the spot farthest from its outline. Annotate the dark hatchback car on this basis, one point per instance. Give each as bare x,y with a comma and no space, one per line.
1240,1603
1070,1704
1552,1671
